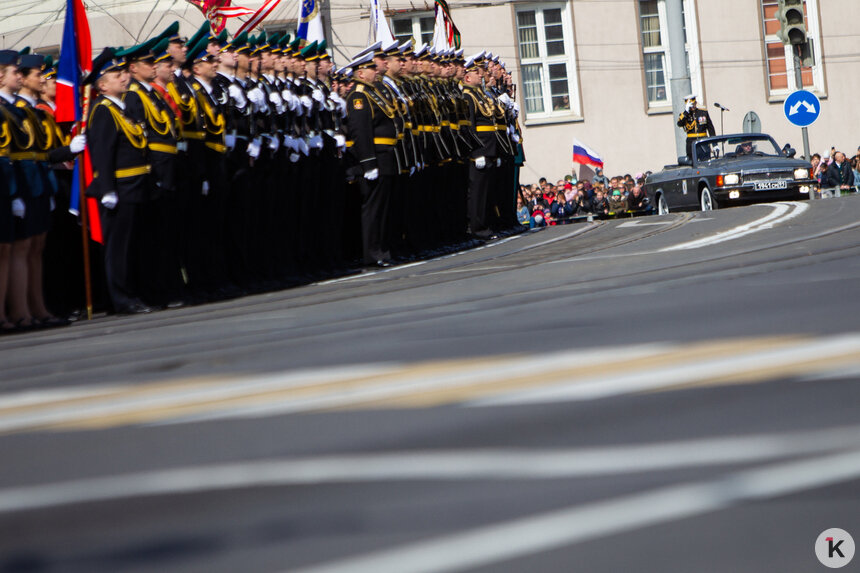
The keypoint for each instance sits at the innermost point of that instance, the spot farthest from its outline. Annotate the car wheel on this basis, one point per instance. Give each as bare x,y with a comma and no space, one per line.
707,201
662,206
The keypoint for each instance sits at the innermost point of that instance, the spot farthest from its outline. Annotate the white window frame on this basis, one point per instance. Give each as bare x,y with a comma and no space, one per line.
813,32
415,18
569,58
691,47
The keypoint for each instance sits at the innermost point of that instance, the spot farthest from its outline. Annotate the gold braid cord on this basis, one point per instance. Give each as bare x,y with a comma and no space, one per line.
159,120
134,133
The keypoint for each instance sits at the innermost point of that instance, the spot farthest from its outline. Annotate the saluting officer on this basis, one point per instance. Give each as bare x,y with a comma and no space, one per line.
695,122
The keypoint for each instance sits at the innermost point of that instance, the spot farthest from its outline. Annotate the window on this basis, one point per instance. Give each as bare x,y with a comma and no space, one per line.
656,59
418,27
779,58
548,67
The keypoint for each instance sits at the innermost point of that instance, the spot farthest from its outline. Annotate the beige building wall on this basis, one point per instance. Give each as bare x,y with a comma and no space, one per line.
613,116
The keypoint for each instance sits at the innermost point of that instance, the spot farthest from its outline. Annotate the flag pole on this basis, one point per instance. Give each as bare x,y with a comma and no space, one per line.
88,283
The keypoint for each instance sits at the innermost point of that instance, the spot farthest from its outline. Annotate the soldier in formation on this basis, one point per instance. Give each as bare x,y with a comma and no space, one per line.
224,166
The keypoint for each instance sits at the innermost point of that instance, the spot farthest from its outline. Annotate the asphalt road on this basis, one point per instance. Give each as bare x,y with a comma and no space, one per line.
673,394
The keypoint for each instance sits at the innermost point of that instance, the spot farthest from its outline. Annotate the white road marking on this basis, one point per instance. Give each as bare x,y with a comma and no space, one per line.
781,213
676,374
409,383
481,464
552,530
641,223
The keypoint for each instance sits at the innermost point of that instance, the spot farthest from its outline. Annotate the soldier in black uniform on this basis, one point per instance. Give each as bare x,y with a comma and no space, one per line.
161,279
695,122
373,135
482,117
121,171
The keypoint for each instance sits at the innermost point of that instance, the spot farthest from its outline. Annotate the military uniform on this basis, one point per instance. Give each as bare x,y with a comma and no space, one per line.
697,124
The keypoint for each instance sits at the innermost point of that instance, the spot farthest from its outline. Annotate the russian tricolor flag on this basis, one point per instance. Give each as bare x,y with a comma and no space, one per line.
584,155
76,60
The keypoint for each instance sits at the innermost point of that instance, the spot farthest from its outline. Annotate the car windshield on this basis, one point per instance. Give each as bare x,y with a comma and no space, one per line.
737,146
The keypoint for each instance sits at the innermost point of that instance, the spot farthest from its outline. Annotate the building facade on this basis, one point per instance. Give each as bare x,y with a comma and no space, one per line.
594,70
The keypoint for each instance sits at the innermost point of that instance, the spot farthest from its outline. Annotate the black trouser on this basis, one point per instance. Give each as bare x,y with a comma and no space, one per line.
121,262
375,197
479,185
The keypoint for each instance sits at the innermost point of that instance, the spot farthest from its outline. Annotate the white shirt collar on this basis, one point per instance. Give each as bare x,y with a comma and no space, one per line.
117,101
203,83
28,99
8,97
230,77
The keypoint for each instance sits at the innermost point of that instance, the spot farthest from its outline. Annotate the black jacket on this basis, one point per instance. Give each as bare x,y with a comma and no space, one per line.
836,176
119,154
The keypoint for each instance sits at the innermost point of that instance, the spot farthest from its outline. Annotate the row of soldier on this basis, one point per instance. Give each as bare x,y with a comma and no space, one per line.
224,166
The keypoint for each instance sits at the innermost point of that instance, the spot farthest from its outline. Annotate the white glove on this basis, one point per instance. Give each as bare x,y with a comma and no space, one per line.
274,144
340,141
303,146
275,98
515,138
53,204
258,98
181,146
411,171
290,143
481,162
689,106
78,144
319,97
237,94
506,100
498,161
18,208
315,142
294,157
306,102
516,109
109,200
230,140
292,101
372,175
204,189
254,148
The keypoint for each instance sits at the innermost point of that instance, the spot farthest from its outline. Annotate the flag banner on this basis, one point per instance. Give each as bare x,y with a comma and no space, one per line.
217,12
93,218
379,30
310,28
445,33
257,18
75,62
584,155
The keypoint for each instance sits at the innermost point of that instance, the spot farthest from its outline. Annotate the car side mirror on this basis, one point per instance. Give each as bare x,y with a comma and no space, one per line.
788,150
685,161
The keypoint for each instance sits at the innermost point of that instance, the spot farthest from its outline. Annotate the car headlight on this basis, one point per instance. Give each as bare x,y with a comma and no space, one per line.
802,173
731,179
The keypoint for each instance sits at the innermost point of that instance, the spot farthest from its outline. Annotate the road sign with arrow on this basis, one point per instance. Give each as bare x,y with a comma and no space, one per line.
802,108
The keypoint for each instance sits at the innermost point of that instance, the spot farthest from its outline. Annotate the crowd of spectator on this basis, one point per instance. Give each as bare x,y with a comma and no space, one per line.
544,204
835,171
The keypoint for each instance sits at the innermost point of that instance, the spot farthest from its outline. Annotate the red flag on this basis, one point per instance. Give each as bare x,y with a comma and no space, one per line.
217,12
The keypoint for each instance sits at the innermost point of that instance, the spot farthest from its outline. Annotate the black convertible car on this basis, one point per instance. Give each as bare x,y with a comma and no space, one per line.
731,170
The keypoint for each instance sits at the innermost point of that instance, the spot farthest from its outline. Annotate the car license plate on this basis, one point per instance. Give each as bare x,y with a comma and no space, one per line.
770,185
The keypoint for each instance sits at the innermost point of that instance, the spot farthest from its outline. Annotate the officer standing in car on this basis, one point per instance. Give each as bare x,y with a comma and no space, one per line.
695,122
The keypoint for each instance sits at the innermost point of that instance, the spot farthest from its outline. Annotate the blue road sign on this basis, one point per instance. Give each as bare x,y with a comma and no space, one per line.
802,108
